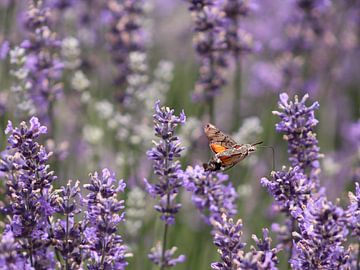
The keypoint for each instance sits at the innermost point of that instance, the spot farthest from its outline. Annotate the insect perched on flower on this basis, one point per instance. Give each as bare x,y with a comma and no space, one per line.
227,152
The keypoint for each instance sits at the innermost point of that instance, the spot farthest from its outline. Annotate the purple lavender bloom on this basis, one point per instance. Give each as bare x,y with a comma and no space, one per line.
236,39
298,123
169,172
126,35
169,261
29,179
67,232
319,245
4,49
166,168
227,238
103,246
10,257
291,189
353,212
209,43
45,68
210,193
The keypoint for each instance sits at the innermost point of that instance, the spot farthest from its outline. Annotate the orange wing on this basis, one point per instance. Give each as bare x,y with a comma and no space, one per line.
217,148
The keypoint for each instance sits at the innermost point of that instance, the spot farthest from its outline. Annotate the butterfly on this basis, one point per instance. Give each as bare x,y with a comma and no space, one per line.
227,152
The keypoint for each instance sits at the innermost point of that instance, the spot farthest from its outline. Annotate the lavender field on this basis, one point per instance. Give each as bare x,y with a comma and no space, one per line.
179,134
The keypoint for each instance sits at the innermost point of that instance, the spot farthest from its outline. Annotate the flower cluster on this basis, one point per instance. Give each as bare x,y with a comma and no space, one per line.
104,213
42,60
291,189
211,193
126,35
353,211
68,233
169,172
319,244
227,238
298,123
237,39
28,182
10,258
165,167
209,42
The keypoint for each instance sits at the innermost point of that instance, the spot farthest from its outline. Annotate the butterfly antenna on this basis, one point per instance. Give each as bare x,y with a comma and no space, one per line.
273,152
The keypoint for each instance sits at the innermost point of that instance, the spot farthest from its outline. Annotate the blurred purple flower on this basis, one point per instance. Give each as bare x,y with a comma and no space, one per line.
210,193
10,257
103,246
126,35
4,49
169,261
45,68
25,166
163,155
319,243
209,42
237,40
298,123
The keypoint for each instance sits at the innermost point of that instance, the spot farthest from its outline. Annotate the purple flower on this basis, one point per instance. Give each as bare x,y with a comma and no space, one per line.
169,261
291,189
298,123
10,257
353,212
4,49
236,39
67,232
169,173
103,246
227,238
42,62
126,35
211,193
319,243
165,167
209,43
29,179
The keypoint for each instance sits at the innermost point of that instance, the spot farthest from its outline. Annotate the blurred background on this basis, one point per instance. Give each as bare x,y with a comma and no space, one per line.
92,71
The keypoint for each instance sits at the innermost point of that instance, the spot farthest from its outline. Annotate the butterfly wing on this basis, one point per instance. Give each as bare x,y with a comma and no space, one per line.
218,140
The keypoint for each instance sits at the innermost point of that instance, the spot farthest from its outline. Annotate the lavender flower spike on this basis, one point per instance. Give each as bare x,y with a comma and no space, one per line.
298,123
29,179
163,155
103,245
169,172
353,211
228,239
10,257
319,245
211,193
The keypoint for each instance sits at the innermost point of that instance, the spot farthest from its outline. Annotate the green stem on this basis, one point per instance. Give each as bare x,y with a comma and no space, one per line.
237,92
67,267
162,263
358,257
291,243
